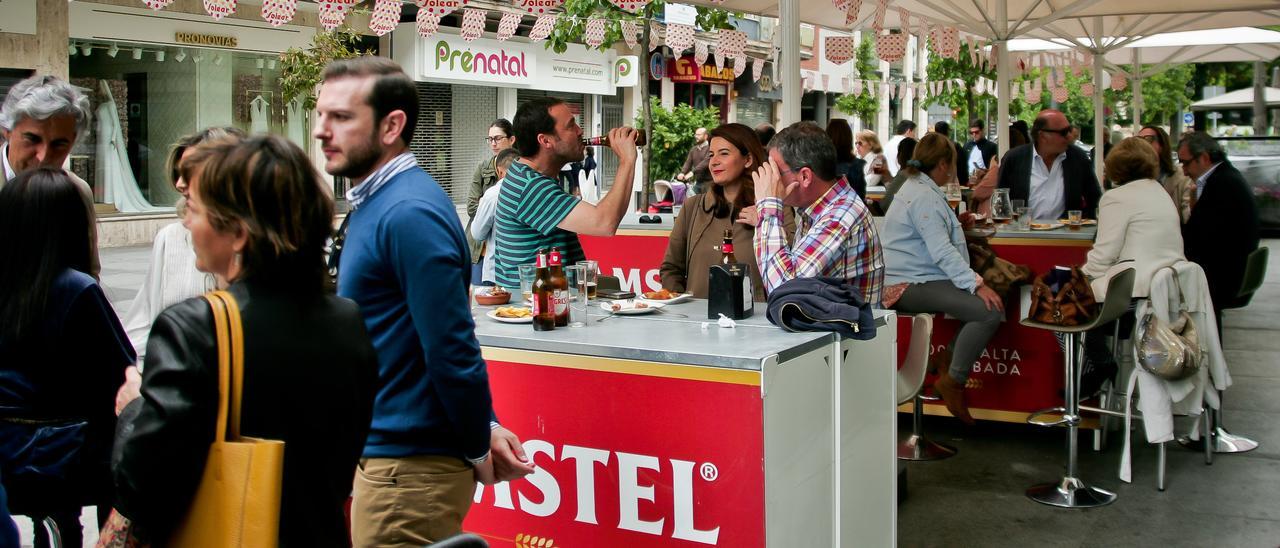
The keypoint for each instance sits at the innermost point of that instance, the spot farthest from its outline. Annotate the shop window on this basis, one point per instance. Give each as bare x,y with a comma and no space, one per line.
449,139
146,97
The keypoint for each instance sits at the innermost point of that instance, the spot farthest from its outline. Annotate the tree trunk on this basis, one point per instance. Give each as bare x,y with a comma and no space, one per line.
971,108
1259,98
648,116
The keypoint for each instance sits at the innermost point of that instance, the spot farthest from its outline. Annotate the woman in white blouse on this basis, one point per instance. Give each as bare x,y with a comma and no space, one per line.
172,276
868,148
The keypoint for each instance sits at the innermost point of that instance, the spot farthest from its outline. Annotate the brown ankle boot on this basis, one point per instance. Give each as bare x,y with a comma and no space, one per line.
952,394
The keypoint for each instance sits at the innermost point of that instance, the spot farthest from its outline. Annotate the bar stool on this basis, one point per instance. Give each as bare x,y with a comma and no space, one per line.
1071,491
1255,271
911,388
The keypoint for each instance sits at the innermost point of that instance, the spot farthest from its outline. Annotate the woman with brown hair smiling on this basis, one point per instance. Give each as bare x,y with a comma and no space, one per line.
696,238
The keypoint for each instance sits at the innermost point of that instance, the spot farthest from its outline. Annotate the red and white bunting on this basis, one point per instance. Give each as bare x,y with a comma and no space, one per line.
851,11
439,8
838,49
1119,81
973,50
679,38
891,47
757,69
1086,89
857,87
542,27
719,58
594,34
877,23
386,15
807,83
472,23
826,82
332,14
630,6
157,4
739,66
279,12
904,20
655,35
1036,93
427,23
218,9
946,41
845,85
631,33
1060,94
732,42
507,26
539,7
699,52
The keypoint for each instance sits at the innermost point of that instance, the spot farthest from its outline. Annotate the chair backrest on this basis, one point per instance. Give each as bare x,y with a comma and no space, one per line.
911,375
1119,293
464,540
1255,270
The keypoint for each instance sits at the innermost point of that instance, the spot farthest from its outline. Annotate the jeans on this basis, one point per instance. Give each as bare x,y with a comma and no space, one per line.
980,324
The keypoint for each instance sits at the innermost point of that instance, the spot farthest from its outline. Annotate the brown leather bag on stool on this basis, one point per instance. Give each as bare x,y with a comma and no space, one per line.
1072,304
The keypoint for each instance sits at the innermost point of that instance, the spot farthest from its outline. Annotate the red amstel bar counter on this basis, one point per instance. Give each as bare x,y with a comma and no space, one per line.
634,254
1021,369
651,431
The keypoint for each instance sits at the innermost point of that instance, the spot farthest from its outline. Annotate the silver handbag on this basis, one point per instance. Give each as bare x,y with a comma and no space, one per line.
1170,351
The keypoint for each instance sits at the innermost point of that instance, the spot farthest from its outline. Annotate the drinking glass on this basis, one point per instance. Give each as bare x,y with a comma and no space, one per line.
527,273
577,294
591,274
1074,218
1001,209
1023,215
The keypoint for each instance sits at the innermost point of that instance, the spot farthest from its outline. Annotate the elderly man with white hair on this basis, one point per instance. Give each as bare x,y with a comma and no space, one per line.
40,121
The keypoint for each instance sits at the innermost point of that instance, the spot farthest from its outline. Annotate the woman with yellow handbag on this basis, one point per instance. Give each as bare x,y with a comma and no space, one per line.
234,378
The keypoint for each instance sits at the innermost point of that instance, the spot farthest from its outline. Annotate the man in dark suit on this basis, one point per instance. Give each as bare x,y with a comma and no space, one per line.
977,153
1223,227
1050,174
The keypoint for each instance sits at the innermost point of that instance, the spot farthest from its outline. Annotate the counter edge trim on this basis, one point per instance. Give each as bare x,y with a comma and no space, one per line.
623,366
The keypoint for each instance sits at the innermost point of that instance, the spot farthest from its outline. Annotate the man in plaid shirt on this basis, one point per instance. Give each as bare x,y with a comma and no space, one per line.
835,235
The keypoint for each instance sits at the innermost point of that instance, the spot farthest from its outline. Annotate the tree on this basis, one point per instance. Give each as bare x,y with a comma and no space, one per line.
863,105
960,99
672,135
300,70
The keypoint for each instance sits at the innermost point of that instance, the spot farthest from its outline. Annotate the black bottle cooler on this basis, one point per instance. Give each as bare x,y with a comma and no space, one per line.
730,292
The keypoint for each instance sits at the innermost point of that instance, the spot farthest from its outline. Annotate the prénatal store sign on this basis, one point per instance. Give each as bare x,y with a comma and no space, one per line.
515,64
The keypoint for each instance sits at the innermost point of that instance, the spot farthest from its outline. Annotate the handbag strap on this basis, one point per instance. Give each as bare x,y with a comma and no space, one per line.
230,336
1182,300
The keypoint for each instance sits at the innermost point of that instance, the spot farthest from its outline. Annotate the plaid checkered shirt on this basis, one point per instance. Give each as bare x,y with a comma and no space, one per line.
835,237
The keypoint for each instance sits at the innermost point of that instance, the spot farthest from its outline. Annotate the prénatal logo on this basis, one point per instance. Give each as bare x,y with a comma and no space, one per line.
498,63
623,68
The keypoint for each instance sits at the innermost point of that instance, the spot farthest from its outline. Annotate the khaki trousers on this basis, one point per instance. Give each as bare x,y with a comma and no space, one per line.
411,501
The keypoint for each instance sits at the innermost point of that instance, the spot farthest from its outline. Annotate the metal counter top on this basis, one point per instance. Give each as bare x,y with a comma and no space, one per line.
1085,235
663,337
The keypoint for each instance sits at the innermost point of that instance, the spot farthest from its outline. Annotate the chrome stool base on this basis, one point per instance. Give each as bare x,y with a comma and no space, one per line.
1070,493
1223,442
916,448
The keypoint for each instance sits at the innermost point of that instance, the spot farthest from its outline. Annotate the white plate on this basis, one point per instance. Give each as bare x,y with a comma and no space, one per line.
493,315
629,307
677,299
1046,226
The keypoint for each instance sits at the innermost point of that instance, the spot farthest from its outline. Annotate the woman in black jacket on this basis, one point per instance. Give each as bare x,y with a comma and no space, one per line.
259,218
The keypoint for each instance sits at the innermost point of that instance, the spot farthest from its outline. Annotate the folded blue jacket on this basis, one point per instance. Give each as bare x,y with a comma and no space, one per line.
821,304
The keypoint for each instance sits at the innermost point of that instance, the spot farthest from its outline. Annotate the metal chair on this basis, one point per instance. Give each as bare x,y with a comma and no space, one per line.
1071,491
1255,271
910,388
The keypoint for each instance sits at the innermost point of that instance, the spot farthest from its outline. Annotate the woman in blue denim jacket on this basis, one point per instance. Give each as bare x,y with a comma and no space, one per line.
927,266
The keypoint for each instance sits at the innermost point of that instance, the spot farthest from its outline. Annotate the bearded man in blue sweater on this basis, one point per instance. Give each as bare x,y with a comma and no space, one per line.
406,263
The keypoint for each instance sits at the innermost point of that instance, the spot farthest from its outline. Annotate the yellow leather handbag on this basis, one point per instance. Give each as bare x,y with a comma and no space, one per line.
238,500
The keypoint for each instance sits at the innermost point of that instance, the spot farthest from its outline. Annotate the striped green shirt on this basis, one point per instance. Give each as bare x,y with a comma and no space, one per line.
529,208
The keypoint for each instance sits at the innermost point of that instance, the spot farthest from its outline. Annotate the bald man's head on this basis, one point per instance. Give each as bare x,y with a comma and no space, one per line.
1051,132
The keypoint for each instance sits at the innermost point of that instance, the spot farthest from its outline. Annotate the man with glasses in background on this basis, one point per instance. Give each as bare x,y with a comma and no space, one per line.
1049,173
978,151
835,235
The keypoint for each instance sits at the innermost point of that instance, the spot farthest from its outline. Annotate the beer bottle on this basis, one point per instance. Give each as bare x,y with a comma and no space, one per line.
544,315
603,140
726,248
559,284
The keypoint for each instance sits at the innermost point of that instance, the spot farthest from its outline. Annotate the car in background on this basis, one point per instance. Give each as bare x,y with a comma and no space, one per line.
1258,159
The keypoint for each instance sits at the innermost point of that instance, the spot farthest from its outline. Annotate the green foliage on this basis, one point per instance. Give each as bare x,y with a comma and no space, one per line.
864,105
570,29
301,69
672,135
960,99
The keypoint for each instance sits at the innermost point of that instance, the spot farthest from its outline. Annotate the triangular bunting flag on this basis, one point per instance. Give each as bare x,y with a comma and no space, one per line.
542,27
594,34
385,17
757,69
631,33
472,23
679,38
217,9
699,52
279,12
507,26
739,66
838,49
